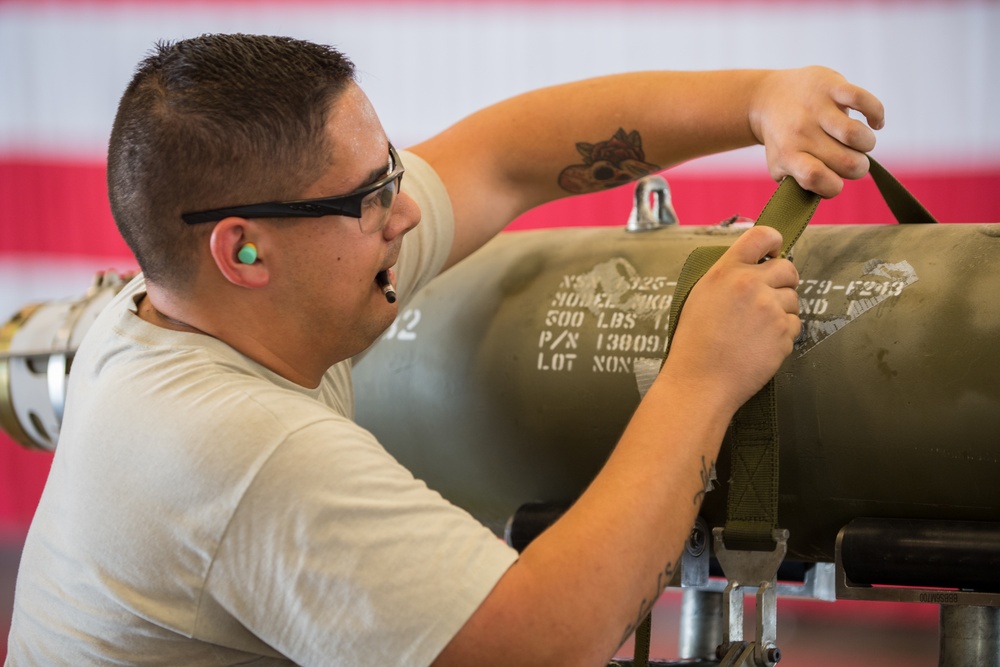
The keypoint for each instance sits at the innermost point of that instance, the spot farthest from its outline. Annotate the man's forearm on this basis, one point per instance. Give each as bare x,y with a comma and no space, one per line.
581,588
530,139
515,155
581,137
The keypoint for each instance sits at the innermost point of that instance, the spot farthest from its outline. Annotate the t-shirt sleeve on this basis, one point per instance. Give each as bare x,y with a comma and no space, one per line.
426,247
350,559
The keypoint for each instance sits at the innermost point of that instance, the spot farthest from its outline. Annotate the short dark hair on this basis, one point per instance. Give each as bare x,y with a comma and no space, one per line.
214,121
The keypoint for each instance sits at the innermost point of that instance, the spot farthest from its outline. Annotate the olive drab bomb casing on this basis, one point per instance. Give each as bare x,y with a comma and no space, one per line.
513,375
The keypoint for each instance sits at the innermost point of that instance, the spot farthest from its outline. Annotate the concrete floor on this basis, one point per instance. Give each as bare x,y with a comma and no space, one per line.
810,634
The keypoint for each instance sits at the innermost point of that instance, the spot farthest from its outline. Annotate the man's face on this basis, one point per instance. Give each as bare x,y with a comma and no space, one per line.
329,264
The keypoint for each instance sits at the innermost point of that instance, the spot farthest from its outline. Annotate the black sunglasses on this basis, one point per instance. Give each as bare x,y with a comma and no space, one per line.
350,204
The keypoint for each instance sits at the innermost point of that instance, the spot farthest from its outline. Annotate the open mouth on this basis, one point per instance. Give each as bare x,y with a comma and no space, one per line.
384,281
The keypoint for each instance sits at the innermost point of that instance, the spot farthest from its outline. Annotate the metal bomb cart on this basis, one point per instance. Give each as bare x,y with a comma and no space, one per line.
512,375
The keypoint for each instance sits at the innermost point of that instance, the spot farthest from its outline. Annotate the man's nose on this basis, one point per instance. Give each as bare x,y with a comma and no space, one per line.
405,216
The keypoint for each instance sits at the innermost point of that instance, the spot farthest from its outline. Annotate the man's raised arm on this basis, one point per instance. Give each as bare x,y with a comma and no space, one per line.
522,152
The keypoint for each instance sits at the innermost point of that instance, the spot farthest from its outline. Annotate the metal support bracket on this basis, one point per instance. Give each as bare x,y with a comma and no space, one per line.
750,569
695,557
849,590
652,207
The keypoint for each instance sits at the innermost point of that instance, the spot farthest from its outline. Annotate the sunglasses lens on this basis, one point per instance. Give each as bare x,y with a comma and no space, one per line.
376,215
387,195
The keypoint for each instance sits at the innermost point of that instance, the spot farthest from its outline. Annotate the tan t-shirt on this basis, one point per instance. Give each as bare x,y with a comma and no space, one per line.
202,510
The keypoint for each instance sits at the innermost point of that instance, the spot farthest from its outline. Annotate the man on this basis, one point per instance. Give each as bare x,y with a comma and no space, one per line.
211,501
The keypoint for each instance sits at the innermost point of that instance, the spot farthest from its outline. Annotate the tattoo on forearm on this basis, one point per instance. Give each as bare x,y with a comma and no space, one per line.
708,477
607,164
646,606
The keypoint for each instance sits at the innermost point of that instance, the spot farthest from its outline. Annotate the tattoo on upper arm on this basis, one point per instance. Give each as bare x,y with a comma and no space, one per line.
708,477
646,606
607,164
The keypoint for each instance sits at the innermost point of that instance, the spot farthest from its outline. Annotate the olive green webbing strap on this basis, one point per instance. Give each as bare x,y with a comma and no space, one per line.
904,206
643,636
752,504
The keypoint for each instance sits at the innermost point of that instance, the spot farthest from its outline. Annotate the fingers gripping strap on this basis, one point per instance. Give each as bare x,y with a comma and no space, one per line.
791,207
697,263
788,210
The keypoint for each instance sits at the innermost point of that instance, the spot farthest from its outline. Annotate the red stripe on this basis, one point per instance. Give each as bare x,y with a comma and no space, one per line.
61,208
703,200
56,208
22,476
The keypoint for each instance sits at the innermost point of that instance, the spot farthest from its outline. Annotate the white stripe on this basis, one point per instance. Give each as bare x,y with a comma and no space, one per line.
30,279
934,64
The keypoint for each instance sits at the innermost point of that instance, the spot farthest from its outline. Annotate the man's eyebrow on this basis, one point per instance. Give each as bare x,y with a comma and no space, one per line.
378,172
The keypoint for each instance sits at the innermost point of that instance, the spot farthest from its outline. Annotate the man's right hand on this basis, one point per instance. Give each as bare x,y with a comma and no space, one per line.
739,322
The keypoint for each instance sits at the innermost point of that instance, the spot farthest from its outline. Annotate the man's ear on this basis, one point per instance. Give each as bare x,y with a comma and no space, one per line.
240,252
